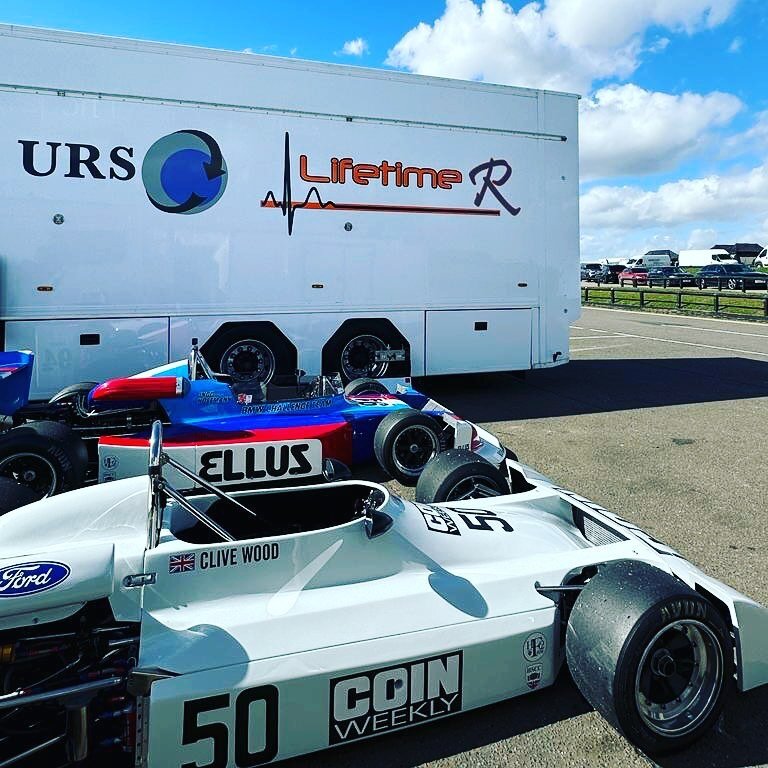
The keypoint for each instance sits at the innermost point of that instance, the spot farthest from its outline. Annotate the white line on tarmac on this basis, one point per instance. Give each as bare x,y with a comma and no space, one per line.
604,346
614,336
690,344
715,330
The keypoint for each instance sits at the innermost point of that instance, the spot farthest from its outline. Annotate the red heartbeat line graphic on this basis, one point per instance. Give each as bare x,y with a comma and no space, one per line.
289,206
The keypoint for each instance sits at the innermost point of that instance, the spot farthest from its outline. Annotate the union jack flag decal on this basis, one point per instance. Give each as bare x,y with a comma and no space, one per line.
181,563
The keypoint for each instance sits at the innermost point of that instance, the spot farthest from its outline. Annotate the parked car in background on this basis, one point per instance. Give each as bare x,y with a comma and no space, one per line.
634,275
590,269
733,276
670,276
762,259
608,273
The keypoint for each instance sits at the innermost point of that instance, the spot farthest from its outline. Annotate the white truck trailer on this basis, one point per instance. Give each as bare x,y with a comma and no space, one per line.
289,214
702,256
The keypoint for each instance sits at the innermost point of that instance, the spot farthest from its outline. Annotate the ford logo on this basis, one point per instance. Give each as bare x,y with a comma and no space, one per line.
29,578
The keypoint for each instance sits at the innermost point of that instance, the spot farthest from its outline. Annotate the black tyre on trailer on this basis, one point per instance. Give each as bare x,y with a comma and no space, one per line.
651,655
250,352
352,349
45,456
458,474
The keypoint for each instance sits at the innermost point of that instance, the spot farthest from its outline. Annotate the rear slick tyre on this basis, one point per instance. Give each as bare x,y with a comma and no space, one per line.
13,495
652,656
365,387
405,442
45,456
458,475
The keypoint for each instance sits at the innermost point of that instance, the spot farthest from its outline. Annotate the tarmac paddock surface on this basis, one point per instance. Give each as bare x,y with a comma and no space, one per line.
661,419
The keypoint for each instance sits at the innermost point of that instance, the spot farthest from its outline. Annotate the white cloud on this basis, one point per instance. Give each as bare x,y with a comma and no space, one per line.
702,238
753,140
711,199
736,44
561,44
356,47
626,130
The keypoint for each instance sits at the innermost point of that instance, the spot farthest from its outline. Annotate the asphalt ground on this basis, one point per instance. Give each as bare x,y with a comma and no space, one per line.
661,419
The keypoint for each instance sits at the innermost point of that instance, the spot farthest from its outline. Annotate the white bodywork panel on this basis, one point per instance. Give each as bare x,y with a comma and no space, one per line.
114,254
280,645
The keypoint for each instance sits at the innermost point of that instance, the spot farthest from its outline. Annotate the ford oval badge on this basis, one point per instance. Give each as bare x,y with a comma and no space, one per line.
29,578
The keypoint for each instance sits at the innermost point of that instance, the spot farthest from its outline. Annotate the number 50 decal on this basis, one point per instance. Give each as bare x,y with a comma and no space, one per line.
194,731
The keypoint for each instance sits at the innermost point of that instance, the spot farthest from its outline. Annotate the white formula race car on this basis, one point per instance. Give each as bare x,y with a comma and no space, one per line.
142,625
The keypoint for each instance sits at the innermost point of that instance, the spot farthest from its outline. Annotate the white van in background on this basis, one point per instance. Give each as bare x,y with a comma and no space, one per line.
663,258
701,257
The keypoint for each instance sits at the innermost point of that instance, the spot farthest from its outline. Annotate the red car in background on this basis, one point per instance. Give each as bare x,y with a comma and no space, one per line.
635,275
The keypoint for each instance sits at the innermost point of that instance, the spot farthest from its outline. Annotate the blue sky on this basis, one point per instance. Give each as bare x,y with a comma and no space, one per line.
674,114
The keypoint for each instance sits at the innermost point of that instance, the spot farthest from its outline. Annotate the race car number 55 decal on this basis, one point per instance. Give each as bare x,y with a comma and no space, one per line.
194,731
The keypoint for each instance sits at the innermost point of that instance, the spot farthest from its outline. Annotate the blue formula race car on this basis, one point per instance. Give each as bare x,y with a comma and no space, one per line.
234,433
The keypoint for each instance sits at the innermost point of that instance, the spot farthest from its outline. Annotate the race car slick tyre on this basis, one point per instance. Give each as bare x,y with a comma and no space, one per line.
45,456
13,495
652,656
404,443
365,387
457,475
74,392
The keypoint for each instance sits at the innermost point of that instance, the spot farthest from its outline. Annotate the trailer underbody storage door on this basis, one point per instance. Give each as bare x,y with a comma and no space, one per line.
477,340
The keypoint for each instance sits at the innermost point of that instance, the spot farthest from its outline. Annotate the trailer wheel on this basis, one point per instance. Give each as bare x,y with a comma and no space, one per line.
251,352
404,443
652,656
457,475
365,387
248,360
13,495
45,456
352,349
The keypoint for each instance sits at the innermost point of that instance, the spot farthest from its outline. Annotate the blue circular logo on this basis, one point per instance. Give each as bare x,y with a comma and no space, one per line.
184,172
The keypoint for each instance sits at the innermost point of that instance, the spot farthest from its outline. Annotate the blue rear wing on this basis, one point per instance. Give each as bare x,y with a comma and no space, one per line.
15,380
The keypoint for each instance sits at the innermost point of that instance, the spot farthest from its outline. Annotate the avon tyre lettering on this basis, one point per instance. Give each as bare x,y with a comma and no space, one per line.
260,461
217,732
